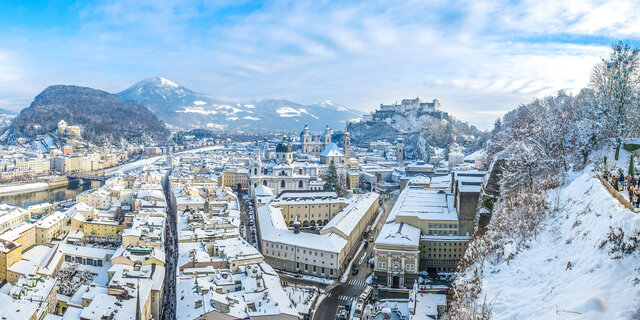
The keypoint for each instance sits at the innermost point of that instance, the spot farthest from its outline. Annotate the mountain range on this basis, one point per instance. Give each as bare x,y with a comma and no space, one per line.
183,108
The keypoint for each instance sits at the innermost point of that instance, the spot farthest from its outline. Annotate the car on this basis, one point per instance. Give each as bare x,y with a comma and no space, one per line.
371,239
297,276
366,244
354,271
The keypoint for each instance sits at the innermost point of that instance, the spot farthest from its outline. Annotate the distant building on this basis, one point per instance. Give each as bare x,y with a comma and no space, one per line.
315,144
282,173
69,131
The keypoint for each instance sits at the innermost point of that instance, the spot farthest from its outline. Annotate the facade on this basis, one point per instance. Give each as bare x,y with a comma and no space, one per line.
315,144
424,232
50,226
10,253
322,253
233,177
282,173
12,215
400,151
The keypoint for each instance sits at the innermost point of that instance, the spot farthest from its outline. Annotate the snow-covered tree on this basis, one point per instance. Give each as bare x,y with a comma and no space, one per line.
616,82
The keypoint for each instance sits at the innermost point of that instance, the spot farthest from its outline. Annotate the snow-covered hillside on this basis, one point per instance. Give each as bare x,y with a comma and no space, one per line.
601,281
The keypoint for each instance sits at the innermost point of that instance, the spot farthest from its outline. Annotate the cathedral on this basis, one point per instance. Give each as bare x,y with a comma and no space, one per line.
315,144
282,173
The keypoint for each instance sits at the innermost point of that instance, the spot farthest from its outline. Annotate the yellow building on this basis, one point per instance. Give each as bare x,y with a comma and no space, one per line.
102,228
10,253
353,180
50,227
310,208
232,177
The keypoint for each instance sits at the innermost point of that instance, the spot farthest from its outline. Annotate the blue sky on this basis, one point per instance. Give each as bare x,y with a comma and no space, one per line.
479,58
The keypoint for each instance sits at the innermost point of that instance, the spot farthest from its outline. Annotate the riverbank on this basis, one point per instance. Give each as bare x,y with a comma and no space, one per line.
23,188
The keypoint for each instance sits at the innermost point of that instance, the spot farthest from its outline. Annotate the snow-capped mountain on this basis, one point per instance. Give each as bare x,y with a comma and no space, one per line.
184,108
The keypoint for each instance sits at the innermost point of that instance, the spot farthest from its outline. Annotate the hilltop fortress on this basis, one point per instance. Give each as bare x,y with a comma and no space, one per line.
406,106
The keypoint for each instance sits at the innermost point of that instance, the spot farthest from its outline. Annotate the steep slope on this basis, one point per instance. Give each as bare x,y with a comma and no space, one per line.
602,280
103,118
184,108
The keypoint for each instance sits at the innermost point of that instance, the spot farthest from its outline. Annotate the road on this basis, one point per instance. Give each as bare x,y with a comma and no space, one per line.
339,293
171,250
247,218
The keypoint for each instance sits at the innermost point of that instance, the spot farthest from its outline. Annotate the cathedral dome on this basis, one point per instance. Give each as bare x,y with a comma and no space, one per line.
284,146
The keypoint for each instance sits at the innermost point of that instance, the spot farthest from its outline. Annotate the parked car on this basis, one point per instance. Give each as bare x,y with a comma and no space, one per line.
354,271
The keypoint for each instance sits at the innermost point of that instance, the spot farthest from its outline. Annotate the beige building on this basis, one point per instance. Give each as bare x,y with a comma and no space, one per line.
421,234
34,166
65,164
322,253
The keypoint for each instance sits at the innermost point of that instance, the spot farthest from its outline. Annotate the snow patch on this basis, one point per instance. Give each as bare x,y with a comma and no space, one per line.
199,103
199,110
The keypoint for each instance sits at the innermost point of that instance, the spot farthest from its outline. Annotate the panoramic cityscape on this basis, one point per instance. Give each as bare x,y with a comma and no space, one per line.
319,160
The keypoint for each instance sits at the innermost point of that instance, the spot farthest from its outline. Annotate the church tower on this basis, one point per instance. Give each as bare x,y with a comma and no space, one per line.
327,137
306,138
347,144
400,150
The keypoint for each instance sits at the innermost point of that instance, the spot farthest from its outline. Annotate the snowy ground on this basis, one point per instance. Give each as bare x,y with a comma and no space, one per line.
538,284
23,188
308,277
134,165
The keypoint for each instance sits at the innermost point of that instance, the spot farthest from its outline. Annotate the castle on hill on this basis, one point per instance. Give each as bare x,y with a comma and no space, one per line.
406,105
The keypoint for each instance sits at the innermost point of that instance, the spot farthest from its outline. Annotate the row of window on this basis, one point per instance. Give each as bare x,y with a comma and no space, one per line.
443,225
442,232
85,261
304,251
408,266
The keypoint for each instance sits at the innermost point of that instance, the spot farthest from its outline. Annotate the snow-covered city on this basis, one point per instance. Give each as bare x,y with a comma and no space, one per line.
480,163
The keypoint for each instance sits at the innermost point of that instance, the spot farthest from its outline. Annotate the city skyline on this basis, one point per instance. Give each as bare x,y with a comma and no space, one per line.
480,59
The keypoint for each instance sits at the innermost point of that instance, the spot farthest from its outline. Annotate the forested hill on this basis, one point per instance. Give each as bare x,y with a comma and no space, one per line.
103,118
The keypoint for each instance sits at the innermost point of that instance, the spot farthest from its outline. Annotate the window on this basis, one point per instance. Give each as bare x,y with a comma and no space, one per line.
410,267
300,185
99,263
382,265
282,184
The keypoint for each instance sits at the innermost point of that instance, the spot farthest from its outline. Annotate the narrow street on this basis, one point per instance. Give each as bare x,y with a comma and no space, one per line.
171,250
339,293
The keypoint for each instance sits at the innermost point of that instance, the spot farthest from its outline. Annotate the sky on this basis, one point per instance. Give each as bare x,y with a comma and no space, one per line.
479,58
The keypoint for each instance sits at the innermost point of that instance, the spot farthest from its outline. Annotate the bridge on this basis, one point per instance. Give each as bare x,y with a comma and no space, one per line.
78,176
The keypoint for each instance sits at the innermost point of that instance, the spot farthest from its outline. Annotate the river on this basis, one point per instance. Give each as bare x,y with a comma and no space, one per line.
58,194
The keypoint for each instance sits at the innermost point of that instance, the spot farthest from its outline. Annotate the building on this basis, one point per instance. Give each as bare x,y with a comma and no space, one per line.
322,253
282,173
34,166
234,177
332,154
422,233
69,131
315,144
400,151
10,253
12,215
68,164
50,227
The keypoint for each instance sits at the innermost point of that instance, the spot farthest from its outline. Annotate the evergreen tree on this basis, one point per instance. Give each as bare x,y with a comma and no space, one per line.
332,178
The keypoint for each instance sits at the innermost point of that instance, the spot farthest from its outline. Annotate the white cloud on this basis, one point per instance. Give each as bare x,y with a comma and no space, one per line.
478,58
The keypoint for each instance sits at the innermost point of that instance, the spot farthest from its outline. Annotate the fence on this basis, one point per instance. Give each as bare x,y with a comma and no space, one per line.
617,195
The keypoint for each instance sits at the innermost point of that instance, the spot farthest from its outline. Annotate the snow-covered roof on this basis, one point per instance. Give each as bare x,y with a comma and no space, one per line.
332,151
398,235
